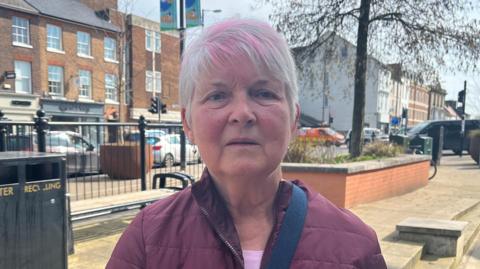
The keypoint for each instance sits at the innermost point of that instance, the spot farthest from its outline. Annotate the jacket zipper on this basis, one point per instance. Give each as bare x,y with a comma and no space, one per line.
204,211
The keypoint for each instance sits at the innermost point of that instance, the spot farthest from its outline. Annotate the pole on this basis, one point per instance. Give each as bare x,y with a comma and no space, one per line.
182,27
142,124
462,131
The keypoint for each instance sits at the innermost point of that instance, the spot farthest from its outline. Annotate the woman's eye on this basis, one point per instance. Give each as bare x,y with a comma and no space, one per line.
219,96
265,94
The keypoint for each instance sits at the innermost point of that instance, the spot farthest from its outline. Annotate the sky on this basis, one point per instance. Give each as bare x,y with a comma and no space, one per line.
245,9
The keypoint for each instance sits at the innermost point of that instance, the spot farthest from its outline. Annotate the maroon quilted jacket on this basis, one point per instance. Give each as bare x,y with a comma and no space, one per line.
193,229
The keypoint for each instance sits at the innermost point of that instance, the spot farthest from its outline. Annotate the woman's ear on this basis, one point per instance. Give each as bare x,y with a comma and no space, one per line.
186,127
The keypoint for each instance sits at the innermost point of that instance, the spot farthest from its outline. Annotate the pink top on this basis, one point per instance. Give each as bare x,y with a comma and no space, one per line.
252,258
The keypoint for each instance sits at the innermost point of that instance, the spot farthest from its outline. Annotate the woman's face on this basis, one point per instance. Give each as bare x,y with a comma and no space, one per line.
240,120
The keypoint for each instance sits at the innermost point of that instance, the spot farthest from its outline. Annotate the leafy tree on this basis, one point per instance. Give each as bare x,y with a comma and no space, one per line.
423,35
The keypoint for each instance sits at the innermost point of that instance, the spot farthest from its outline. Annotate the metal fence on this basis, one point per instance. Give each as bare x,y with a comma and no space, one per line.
106,158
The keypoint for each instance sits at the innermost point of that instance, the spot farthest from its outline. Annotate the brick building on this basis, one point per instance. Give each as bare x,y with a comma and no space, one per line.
68,58
153,66
436,103
418,103
65,59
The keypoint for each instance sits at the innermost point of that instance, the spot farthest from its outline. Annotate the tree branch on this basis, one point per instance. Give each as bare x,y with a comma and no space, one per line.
386,16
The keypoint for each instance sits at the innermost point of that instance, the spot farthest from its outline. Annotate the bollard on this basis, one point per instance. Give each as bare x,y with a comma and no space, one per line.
3,133
41,126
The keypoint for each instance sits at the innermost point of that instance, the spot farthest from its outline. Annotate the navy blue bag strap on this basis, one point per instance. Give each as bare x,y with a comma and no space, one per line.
290,231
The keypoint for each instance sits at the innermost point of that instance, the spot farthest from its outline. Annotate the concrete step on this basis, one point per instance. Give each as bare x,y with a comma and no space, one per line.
433,262
455,211
472,230
472,216
401,254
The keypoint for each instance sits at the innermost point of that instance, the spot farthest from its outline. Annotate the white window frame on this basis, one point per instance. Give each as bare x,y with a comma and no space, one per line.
158,44
111,87
55,80
149,82
148,40
20,31
152,40
22,76
84,84
108,50
55,39
82,45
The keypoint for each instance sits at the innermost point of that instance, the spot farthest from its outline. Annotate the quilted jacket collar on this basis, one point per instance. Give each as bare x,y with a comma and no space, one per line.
214,208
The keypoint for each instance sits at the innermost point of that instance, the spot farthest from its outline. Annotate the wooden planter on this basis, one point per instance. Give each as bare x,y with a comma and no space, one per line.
474,148
350,184
122,161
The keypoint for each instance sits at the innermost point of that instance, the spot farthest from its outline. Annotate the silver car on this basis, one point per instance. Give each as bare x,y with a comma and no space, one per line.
166,150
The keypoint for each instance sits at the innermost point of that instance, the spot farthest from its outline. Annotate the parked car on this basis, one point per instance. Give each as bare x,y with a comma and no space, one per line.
135,135
322,135
369,135
166,150
451,132
82,157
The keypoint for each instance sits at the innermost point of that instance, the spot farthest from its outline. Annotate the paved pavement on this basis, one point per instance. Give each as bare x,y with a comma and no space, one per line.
454,194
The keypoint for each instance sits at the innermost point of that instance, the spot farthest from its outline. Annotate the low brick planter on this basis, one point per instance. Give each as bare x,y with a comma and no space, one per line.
350,184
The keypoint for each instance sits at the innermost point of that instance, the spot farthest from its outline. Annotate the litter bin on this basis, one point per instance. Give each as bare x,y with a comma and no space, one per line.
32,210
424,143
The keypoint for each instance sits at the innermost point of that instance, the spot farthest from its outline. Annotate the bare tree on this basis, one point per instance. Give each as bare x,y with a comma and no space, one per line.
423,35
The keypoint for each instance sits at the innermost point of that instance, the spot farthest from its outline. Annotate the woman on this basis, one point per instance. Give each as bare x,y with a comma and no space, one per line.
239,106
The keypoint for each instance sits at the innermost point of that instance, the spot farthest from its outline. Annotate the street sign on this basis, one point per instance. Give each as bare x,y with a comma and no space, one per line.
394,121
9,75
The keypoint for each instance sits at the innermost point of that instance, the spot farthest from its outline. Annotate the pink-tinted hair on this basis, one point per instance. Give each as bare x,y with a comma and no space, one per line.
224,43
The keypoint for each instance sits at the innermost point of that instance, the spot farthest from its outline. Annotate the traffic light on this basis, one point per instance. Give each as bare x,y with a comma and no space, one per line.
154,105
404,113
163,107
461,96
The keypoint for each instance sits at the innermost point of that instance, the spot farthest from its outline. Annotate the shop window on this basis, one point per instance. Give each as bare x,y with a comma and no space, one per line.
23,80
20,31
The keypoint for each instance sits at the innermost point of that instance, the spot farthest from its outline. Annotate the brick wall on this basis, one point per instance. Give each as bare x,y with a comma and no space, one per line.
9,53
349,190
167,62
170,69
72,63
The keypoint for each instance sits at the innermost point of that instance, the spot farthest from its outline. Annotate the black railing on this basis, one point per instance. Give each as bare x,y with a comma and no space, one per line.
105,158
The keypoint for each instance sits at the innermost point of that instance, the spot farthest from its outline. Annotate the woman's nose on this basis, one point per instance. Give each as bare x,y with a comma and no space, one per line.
242,111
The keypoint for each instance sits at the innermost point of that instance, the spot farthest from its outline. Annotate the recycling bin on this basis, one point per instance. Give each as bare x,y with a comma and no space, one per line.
33,230
423,143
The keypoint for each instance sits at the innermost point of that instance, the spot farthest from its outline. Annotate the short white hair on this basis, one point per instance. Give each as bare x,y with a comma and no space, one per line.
224,43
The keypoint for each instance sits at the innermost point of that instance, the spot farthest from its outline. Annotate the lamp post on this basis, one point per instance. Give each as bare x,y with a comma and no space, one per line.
208,10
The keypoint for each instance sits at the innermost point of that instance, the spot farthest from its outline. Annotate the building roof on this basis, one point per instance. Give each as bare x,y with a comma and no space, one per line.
19,5
309,121
71,10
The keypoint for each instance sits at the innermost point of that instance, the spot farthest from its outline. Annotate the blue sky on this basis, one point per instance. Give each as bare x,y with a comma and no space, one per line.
244,8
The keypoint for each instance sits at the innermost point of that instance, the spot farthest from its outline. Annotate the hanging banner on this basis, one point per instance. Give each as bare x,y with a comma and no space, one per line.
193,13
168,15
